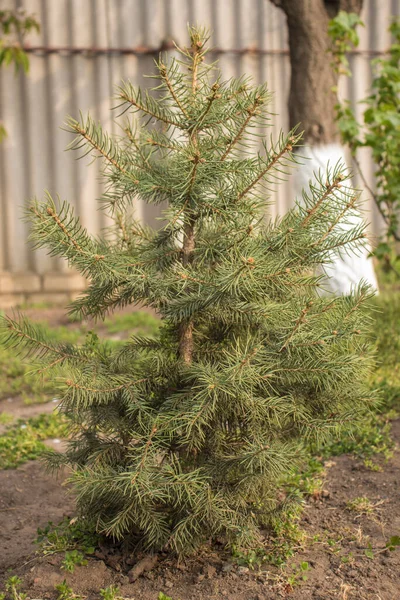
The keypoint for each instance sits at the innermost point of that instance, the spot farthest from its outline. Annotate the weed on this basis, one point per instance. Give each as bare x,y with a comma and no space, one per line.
250,558
369,552
162,596
371,465
393,543
307,481
12,589
68,536
298,574
347,558
72,559
363,506
283,542
110,593
65,592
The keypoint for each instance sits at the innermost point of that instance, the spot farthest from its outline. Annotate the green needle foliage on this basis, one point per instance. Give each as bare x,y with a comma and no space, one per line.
185,436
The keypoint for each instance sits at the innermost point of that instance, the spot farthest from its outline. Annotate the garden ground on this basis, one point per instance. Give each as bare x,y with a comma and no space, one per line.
343,547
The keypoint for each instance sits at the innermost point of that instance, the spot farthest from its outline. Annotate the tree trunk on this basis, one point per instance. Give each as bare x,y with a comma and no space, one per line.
311,99
186,328
311,105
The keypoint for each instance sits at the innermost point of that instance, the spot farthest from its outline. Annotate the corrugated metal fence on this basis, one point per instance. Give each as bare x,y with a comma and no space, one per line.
84,49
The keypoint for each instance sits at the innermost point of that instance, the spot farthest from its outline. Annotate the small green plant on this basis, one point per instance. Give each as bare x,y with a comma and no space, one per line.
298,575
162,596
347,558
334,545
65,592
393,543
252,558
367,440
369,553
284,540
364,506
67,536
371,465
305,481
110,593
13,585
72,559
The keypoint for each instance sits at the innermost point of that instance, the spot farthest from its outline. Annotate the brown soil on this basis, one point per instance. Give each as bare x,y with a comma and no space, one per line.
28,499
338,565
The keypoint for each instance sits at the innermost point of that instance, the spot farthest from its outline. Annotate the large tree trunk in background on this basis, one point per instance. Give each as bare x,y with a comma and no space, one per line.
311,99
311,105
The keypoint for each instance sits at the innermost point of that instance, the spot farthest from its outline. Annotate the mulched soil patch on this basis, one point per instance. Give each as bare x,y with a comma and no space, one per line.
339,567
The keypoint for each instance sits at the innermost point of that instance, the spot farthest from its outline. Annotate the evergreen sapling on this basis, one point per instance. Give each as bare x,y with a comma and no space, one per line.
185,437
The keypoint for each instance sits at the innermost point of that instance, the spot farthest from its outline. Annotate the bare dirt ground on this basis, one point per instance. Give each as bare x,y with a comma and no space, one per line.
337,545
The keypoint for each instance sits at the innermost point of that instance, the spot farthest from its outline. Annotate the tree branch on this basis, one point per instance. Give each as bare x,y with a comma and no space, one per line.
277,157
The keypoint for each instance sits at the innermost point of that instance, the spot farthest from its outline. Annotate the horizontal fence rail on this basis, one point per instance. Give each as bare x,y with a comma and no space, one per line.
164,47
84,49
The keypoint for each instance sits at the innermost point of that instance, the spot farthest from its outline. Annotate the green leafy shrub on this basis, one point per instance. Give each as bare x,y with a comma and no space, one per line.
185,436
379,130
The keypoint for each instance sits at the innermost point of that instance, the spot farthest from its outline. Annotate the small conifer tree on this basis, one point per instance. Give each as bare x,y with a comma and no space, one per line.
185,437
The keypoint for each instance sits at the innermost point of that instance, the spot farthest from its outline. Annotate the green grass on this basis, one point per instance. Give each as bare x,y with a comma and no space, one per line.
6,418
23,441
386,333
137,323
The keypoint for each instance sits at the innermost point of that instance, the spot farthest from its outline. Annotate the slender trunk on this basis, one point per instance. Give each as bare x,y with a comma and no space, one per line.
186,342
186,328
